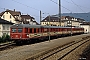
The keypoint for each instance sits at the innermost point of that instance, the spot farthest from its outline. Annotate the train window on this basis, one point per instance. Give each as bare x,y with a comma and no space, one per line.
34,30
19,30
30,30
26,30
45,30
13,30
38,30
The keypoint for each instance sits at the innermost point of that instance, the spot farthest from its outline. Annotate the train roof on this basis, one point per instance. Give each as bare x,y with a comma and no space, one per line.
37,26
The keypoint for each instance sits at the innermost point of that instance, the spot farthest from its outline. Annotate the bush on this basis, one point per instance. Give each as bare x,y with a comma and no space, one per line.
7,37
4,38
0,39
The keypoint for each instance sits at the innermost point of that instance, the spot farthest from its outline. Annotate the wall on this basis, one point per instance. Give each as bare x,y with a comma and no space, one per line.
86,28
5,29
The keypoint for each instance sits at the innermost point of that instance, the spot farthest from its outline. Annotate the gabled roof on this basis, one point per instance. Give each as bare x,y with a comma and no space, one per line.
85,23
13,13
2,21
52,19
63,18
24,17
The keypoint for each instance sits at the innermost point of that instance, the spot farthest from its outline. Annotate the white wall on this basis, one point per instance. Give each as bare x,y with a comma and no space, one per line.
86,28
6,30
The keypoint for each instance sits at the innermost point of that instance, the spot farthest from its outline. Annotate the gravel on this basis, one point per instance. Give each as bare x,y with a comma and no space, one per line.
26,51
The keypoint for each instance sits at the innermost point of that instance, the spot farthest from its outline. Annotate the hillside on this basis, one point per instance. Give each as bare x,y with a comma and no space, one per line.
85,16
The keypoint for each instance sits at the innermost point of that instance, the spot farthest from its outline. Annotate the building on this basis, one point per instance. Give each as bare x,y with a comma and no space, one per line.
72,21
5,27
86,26
11,16
16,17
27,19
53,21
65,21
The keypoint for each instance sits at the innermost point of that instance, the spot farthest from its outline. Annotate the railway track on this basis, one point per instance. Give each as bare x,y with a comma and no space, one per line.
6,45
60,52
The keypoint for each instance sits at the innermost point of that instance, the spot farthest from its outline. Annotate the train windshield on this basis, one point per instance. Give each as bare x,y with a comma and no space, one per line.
20,30
13,30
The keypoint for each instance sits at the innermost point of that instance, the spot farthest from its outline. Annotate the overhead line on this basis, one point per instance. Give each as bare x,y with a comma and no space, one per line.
26,5
77,5
61,5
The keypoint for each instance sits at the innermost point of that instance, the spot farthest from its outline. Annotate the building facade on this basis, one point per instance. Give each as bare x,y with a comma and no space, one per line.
16,17
52,21
11,16
5,27
65,21
86,26
27,19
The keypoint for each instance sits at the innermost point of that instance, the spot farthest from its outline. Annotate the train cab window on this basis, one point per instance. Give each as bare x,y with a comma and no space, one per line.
13,30
19,30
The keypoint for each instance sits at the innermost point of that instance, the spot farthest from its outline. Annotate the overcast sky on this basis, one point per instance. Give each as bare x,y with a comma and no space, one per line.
32,7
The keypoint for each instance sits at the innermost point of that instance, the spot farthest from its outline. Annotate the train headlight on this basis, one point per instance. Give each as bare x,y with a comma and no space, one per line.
27,35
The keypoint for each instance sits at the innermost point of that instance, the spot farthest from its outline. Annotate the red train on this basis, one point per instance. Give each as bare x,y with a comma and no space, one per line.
25,32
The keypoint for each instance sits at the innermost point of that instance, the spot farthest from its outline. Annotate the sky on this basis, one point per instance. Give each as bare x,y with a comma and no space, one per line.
48,7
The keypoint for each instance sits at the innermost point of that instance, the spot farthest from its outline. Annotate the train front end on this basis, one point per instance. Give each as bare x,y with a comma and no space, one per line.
17,33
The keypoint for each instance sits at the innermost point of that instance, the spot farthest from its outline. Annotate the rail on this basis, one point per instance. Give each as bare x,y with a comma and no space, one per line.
5,45
67,48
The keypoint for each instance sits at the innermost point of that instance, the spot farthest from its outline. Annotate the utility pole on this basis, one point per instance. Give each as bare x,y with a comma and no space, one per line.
40,17
60,12
49,28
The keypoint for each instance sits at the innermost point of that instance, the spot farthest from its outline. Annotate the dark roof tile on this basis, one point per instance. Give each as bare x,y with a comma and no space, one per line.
2,21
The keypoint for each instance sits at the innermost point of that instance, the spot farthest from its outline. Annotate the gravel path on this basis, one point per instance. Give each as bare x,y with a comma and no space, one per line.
24,52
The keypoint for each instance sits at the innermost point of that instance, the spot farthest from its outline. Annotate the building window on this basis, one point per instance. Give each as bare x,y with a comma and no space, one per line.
3,16
10,16
3,27
7,27
4,34
45,20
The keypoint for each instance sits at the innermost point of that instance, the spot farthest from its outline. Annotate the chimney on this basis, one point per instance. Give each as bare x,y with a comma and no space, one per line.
7,9
14,10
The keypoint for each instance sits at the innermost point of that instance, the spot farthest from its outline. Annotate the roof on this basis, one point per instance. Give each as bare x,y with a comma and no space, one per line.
85,23
37,26
14,13
52,19
2,21
24,17
63,18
